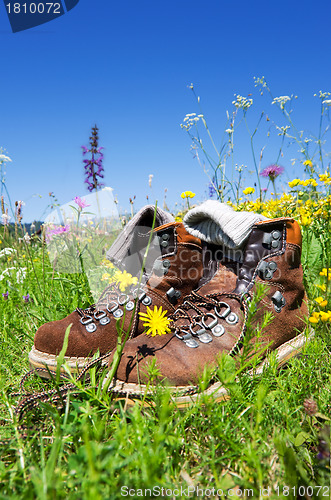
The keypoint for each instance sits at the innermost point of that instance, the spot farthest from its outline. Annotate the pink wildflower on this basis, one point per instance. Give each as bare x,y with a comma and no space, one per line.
81,202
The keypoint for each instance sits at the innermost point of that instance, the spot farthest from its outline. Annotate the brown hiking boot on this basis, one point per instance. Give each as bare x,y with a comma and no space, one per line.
177,269
211,321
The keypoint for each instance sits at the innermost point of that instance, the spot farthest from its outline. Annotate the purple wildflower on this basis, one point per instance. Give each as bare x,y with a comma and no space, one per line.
26,298
92,175
272,171
5,295
211,190
81,202
54,232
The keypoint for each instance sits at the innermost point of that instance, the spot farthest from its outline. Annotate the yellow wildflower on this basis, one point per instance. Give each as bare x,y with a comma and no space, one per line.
321,302
178,219
325,316
305,220
325,178
294,183
308,163
325,272
156,321
107,263
105,277
125,279
314,318
187,194
249,190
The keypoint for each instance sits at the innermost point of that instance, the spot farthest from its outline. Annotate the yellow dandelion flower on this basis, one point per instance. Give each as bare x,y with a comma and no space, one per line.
156,321
249,190
178,219
124,280
308,163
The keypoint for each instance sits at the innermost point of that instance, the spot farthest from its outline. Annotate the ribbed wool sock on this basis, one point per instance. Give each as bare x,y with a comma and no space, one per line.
217,223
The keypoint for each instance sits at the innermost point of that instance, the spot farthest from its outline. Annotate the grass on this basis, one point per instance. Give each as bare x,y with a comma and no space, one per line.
270,439
94,447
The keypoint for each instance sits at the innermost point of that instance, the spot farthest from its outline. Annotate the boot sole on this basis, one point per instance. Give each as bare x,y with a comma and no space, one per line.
48,362
184,396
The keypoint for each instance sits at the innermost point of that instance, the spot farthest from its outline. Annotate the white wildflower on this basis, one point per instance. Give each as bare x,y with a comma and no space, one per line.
229,131
283,130
5,219
281,100
190,120
20,274
7,251
4,158
242,102
150,178
327,102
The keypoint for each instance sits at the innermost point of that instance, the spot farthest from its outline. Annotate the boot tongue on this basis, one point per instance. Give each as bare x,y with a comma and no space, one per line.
265,239
126,249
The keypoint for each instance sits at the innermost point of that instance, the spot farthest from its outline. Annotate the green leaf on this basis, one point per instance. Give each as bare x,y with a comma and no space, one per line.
60,357
301,438
312,252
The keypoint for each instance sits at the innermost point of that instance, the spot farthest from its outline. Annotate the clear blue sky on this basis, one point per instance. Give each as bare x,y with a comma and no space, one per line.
126,65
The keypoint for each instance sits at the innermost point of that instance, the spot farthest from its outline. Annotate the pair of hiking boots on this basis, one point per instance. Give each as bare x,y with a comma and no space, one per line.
208,297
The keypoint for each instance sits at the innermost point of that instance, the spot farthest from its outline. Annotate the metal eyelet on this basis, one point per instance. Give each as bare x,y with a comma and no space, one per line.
212,323
123,299
205,338
104,321
225,313
91,327
218,330
232,318
129,305
118,313
191,343
147,301
278,301
201,331
139,294
86,320
99,314
188,340
112,308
